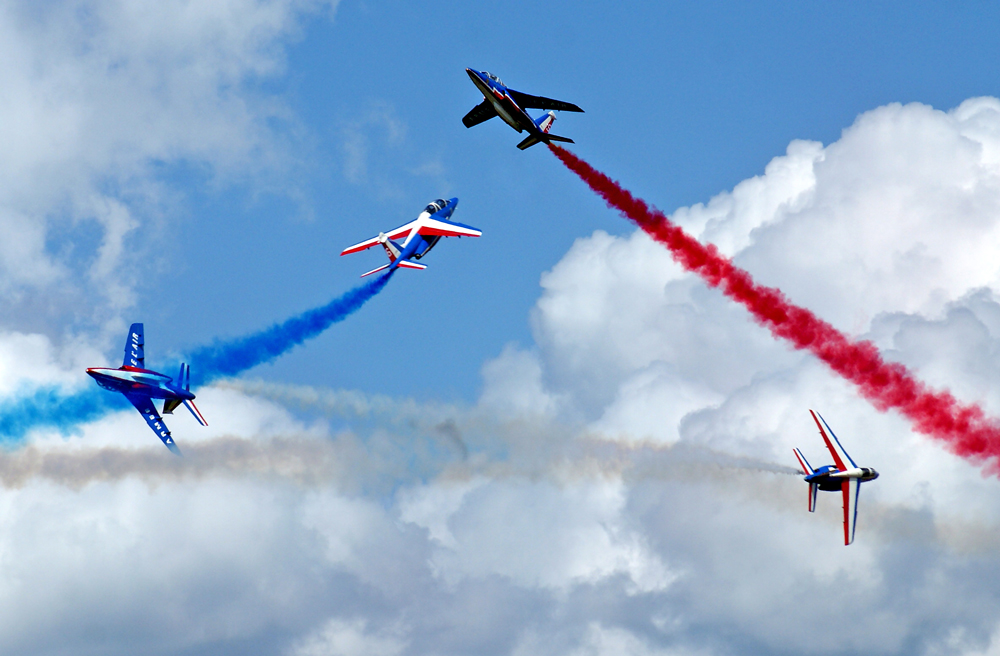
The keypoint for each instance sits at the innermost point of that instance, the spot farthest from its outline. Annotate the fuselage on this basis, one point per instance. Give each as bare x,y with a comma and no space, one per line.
496,93
415,245
830,479
129,380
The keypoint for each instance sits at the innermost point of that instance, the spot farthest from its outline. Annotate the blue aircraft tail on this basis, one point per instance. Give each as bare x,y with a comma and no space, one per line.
184,382
545,121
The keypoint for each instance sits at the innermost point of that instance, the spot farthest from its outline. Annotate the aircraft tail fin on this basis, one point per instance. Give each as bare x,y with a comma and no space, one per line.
545,121
134,352
184,377
813,489
391,247
169,405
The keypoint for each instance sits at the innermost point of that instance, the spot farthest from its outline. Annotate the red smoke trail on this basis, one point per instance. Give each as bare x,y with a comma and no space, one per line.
886,384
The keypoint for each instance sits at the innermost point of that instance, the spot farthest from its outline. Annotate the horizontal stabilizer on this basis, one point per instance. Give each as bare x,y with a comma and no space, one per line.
169,405
381,268
806,469
189,404
406,264
538,138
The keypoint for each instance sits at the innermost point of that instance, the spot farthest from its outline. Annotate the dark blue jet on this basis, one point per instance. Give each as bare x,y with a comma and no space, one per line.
140,386
510,105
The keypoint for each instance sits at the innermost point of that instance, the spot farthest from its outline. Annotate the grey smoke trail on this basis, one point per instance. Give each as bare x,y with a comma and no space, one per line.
311,461
475,427
308,461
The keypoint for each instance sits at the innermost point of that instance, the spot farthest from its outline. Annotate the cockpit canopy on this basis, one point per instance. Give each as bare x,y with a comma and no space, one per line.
493,77
436,206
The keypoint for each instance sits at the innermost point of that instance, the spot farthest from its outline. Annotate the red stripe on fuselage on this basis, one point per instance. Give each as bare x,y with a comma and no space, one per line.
137,369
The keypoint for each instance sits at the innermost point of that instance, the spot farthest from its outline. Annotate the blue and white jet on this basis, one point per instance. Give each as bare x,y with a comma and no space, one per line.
140,386
510,105
838,477
421,235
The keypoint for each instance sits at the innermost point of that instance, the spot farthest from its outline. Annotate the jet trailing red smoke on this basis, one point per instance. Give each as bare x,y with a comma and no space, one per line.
887,385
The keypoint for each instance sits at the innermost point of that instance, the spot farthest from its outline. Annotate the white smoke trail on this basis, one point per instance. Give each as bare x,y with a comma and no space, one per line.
312,461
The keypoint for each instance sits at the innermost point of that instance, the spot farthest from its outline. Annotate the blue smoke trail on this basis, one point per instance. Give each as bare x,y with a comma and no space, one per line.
230,357
51,407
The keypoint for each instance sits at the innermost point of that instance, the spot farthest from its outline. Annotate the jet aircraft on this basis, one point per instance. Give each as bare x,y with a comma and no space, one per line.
421,235
510,105
140,386
836,478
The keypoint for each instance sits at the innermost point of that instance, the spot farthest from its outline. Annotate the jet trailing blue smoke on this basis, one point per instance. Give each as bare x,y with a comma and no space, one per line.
52,407
230,357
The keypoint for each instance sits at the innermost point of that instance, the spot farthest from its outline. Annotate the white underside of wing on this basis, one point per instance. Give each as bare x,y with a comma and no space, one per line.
431,227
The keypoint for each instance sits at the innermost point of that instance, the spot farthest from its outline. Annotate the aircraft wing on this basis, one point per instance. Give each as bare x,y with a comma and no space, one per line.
840,456
398,233
366,244
850,488
145,406
484,111
431,226
526,101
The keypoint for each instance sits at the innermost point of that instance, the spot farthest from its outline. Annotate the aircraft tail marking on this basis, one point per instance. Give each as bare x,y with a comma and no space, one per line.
134,353
391,247
545,121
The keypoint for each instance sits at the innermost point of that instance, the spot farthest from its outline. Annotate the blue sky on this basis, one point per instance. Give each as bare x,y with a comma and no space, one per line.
682,102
